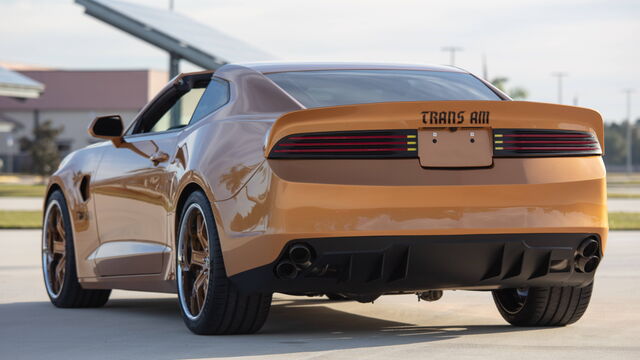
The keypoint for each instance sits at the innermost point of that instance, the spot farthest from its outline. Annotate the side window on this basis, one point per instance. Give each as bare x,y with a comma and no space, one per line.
181,112
214,97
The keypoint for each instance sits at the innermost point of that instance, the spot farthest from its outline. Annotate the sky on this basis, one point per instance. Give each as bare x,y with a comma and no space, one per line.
526,41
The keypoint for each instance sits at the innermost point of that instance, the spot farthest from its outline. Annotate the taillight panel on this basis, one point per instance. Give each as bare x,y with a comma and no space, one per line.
377,144
536,143
348,144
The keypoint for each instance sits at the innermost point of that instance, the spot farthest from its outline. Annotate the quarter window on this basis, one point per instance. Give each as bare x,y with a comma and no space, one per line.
214,97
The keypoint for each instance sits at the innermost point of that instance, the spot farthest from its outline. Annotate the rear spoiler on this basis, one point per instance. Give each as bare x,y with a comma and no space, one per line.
433,114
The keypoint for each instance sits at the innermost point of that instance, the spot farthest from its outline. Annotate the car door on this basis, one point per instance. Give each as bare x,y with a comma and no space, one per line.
133,182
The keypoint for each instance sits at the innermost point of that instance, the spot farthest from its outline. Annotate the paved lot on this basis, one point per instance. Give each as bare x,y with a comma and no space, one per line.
625,205
20,203
461,325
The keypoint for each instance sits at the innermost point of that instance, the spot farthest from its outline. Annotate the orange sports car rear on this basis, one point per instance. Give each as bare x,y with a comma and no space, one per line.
349,180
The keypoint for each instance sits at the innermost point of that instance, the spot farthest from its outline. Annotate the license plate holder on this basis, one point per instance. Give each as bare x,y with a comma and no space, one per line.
455,147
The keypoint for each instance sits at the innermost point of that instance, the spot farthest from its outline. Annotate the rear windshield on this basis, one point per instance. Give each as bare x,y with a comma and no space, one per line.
343,87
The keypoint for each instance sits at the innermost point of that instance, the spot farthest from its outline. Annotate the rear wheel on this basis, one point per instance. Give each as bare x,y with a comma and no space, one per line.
209,302
58,260
543,306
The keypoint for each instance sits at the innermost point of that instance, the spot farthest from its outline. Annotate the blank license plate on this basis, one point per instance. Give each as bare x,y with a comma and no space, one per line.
462,147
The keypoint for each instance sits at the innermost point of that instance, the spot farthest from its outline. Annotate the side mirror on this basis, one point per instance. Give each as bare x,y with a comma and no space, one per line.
109,127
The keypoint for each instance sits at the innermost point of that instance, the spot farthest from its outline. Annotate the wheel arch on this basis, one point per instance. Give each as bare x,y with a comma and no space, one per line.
187,190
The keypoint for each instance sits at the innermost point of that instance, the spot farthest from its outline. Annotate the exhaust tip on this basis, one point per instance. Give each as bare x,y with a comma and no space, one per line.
588,265
286,270
588,248
300,254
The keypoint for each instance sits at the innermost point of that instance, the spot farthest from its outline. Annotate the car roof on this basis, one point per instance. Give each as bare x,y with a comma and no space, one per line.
274,67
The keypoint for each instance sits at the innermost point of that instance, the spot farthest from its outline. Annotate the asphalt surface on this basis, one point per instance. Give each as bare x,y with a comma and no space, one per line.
20,203
30,203
460,325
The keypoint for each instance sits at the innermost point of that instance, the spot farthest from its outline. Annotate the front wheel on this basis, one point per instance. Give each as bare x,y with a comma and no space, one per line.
543,306
58,260
209,302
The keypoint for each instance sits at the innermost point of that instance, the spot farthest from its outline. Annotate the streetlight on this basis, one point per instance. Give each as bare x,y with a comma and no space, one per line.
559,75
10,143
452,53
629,132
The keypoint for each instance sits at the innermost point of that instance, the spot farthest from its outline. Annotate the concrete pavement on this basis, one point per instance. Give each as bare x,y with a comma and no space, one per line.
20,203
462,324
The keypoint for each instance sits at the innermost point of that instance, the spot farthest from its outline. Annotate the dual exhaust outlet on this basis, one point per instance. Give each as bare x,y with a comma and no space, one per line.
297,259
587,255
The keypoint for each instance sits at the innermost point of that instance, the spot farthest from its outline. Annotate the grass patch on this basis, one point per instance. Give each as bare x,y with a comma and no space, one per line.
33,220
623,196
20,219
624,221
18,190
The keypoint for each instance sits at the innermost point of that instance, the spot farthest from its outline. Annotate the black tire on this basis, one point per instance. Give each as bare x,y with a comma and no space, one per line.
225,309
336,297
70,294
543,306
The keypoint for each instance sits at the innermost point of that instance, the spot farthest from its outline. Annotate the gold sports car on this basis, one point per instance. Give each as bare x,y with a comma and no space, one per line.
345,180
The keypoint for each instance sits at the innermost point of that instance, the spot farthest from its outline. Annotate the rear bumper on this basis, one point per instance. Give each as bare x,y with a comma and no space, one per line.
384,264
289,200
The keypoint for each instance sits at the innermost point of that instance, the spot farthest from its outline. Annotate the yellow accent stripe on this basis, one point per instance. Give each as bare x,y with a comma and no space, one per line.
497,135
498,141
411,149
411,142
411,136
499,148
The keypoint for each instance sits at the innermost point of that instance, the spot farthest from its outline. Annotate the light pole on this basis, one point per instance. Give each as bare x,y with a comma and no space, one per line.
629,132
559,75
10,157
452,53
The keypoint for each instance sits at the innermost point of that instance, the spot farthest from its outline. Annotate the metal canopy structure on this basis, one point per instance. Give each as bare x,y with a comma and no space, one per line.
179,35
13,84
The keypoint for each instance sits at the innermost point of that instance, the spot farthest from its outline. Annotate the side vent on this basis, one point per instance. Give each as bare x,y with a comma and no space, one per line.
84,187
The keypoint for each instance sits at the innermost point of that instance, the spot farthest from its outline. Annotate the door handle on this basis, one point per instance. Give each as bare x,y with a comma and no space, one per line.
159,157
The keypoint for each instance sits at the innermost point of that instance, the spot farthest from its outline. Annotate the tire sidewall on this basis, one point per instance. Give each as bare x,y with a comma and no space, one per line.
70,276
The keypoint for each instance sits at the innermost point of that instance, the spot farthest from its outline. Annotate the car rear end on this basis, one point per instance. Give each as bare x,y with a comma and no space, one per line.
409,196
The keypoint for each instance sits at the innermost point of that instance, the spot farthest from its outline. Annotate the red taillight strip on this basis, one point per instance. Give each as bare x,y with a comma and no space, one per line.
544,142
337,150
554,148
346,143
356,144
548,142
346,137
549,135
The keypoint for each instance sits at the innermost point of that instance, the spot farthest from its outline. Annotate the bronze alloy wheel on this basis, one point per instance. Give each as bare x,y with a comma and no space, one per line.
53,249
193,262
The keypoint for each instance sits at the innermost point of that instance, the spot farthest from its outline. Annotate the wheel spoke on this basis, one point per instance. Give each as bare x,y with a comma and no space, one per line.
199,290
60,269
202,233
58,247
198,258
60,227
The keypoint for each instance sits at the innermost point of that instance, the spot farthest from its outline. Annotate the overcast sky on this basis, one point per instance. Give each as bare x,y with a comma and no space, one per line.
595,42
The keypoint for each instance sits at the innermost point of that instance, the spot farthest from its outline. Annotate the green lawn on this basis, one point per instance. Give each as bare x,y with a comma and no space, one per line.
624,221
19,190
623,196
20,219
